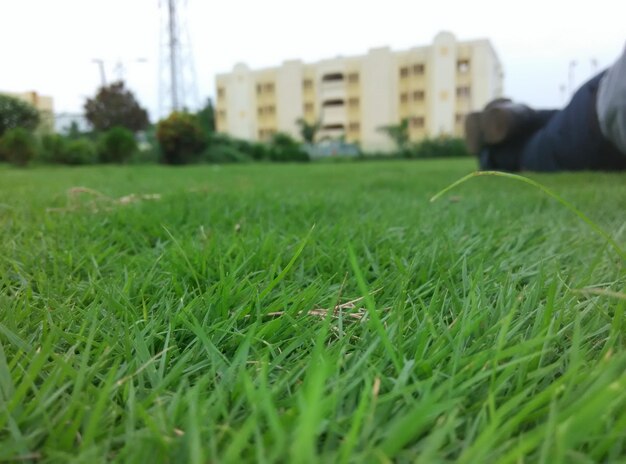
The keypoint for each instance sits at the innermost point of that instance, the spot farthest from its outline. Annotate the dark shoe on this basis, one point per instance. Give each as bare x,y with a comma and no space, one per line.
473,134
504,121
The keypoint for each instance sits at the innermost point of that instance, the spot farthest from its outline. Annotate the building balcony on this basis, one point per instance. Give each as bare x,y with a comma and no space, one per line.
333,90
332,131
334,115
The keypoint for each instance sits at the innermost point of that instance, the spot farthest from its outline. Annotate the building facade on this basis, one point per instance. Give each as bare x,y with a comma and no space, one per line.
42,103
432,86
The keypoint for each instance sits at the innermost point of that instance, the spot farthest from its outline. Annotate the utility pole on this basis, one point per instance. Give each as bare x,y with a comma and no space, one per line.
103,78
572,69
563,90
173,43
121,68
177,77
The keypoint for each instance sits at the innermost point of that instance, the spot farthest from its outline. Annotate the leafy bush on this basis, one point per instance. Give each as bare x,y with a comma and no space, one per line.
80,151
181,138
258,151
252,150
441,147
116,145
53,149
15,113
283,147
18,146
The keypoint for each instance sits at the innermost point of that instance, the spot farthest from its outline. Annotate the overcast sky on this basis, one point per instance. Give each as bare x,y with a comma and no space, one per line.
48,45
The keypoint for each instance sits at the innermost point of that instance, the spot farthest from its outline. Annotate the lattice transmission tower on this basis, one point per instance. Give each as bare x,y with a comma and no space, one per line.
178,88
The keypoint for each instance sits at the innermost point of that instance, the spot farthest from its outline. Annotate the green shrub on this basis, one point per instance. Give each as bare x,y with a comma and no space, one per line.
18,146
181,138
53,149
283,147
80,151
116,145
259,151
252,150
15,113
440,147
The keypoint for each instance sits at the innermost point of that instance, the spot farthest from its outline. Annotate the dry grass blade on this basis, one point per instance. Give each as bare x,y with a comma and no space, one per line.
99,200
601,292
322,312
24,457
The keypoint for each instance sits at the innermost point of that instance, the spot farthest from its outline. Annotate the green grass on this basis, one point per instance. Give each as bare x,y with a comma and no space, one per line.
179,329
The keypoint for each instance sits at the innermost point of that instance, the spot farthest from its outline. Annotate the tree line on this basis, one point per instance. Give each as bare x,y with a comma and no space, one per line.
121,132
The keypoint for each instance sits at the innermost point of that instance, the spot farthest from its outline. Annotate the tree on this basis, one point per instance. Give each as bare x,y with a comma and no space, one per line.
399,133
181,138
18,146
308,131
16,113
113,106
206,117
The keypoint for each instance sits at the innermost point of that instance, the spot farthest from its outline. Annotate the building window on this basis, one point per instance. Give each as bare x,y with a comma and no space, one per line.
404,97
353,78
418,122
333,127
354,127
418,95
463,66
404,72
221,92
418,69
353,102
308,107
332,77
268,87
307,84
337,102
459,118
463,92
259,89
266,110
221,114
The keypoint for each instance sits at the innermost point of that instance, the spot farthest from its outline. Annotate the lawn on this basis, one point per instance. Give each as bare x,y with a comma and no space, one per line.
309,313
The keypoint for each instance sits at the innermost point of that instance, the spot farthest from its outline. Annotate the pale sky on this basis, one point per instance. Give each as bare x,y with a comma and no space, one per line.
48,45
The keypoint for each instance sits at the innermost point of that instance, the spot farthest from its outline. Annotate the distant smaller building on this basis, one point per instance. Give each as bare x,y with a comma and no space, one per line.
66,122
43,104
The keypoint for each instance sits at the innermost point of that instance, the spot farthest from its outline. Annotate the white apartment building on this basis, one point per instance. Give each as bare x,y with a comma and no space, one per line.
433,86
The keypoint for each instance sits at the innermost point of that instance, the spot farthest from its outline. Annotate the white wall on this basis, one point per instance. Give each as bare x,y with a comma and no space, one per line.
442,85
289,99
241,104
379,98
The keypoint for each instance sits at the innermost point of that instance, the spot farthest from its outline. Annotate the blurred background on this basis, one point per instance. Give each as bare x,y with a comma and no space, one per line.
171,55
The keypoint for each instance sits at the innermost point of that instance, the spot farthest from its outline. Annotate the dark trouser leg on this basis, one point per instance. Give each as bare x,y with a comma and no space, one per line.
507,156
572,140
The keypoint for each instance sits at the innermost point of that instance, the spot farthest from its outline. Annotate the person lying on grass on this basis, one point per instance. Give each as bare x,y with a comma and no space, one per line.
588,134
